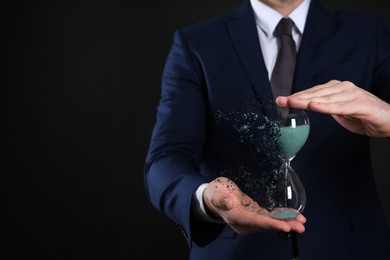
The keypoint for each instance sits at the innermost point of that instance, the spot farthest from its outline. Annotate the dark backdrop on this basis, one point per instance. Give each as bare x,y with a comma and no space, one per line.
81,82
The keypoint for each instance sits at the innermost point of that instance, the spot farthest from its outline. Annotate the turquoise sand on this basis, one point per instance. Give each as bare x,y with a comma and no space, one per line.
291,139
285,214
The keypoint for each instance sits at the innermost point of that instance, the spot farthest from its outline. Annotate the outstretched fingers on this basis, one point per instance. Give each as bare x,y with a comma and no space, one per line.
334,97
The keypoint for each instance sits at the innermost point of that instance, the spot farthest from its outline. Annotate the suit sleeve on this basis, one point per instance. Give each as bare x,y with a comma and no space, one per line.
172,171
381,86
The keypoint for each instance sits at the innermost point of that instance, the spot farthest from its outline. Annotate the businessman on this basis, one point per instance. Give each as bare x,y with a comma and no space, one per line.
211,156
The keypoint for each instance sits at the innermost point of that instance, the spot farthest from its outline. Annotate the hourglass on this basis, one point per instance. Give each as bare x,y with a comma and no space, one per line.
292,131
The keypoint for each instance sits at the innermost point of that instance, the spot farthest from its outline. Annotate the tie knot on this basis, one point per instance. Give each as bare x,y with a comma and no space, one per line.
285,26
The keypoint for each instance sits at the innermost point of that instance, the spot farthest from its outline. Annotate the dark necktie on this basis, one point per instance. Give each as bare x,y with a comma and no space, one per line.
283,73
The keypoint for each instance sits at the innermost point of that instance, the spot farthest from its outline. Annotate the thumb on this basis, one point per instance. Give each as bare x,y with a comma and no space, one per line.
218,203
222,201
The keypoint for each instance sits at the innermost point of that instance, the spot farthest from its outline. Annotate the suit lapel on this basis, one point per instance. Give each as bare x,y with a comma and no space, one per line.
243,31
317,30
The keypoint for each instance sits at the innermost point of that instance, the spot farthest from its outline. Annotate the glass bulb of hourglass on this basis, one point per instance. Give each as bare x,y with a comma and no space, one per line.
293,130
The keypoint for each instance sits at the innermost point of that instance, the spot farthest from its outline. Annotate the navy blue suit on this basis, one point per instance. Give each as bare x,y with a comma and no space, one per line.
215,95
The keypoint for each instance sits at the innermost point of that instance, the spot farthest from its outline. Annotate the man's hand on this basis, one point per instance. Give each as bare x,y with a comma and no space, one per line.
352,107
225,200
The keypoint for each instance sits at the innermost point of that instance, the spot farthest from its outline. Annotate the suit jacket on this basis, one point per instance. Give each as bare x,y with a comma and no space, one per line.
215,101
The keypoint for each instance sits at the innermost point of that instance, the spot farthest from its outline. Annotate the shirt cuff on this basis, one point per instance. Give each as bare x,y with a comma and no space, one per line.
199,207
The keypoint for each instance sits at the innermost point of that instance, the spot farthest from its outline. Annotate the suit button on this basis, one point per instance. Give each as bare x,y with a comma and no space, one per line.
182,231
285,235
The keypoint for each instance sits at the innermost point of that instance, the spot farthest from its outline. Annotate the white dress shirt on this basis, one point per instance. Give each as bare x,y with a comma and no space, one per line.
266,19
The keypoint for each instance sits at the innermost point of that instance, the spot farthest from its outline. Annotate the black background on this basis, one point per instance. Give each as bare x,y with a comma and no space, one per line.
81,82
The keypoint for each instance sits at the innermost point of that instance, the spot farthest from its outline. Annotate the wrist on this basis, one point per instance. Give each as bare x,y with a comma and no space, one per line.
201,209
212,214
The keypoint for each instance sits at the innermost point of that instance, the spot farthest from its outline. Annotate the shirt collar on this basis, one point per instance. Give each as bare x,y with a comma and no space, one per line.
267,18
